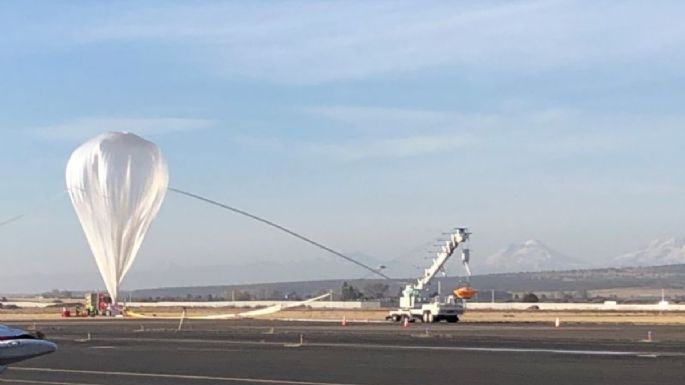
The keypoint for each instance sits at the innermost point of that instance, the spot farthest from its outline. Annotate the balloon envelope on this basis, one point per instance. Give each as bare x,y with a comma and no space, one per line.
117,182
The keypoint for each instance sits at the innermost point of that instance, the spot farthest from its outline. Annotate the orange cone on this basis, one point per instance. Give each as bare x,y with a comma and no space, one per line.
344,321
405,324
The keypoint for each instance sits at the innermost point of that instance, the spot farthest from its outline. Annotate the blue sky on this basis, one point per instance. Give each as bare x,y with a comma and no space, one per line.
370,126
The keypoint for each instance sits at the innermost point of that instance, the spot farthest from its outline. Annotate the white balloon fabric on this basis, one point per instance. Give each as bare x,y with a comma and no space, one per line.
117,182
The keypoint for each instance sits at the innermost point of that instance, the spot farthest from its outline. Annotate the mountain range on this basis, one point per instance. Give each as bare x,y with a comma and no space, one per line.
528,256
534,255
531,255
656,253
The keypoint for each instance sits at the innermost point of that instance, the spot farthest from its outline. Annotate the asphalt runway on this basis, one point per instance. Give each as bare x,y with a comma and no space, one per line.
127,352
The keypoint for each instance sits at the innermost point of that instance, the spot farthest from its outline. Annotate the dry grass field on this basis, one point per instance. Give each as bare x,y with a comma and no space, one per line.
530,316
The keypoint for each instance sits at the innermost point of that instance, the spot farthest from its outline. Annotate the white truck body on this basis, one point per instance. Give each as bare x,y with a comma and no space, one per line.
413,303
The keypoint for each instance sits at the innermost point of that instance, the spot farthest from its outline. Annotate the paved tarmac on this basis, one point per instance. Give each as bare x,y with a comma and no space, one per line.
127,352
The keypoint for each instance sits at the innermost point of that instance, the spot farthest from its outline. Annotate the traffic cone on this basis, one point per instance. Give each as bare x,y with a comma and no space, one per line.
343,322
557,323
405,323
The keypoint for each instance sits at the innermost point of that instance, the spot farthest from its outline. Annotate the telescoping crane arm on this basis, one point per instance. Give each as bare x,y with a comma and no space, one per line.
457,238
411,291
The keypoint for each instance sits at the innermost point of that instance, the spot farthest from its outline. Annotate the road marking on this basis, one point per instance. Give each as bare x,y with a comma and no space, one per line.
509,350
405,347
44,382
172,376
208,350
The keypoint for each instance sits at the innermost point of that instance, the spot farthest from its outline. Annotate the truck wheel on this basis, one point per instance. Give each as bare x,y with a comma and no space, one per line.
453,320
395,318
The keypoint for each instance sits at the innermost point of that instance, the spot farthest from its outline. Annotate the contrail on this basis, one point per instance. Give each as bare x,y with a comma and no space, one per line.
279,227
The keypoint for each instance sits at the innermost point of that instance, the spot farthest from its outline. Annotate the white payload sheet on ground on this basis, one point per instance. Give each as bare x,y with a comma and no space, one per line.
246,314
265,311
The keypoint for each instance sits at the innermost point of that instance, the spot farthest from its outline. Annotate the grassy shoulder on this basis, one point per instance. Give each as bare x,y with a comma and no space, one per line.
471,316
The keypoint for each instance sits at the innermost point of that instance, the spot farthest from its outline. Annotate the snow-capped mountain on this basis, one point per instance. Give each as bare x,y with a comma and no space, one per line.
658,252
531,255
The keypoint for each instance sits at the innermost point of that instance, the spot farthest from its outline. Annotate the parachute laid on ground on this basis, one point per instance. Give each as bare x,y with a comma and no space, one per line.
117,182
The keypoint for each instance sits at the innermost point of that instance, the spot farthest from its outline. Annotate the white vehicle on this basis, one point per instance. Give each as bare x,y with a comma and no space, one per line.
18,345
415,304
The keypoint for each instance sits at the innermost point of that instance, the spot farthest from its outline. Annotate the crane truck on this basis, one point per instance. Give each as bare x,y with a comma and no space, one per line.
415,302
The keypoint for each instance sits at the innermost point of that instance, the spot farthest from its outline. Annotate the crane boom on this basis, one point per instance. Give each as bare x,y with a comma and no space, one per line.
412,291
456,239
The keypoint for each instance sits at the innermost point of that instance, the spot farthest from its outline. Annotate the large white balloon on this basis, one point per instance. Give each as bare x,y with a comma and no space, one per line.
117,182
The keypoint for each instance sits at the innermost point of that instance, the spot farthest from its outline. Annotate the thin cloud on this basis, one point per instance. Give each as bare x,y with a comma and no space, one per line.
362,149
312,42
383,118
368,133
83,128
393,148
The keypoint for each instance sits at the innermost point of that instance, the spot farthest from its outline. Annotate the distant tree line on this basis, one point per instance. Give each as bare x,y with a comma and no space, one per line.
377,290
56,293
